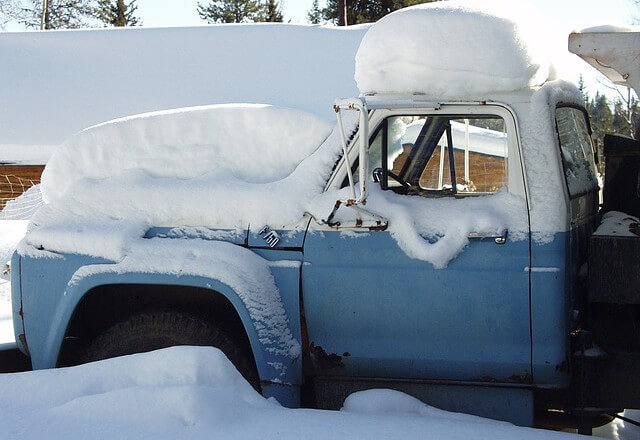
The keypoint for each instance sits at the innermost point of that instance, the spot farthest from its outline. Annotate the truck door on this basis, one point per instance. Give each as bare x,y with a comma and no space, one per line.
373,311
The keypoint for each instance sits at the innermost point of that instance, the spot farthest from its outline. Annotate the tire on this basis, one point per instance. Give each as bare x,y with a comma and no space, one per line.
152,331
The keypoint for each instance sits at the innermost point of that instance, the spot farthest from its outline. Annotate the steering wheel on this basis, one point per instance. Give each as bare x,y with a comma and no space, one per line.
378,173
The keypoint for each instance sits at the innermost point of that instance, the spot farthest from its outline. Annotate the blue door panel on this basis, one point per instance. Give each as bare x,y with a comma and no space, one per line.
388,315
549,313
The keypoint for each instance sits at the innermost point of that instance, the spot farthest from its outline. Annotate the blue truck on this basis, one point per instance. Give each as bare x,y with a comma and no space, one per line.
507,328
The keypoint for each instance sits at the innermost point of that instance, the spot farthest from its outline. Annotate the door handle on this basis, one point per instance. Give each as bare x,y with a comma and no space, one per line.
500,238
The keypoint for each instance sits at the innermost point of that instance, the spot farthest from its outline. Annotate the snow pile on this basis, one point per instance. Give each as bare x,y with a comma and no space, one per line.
240,269
453,50
158,192
618,224
253,143
11,232
391,402
6,313
609,28
196,393
23,206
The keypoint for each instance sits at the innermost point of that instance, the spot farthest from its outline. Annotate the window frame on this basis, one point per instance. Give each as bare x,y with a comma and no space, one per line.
593,152
516,183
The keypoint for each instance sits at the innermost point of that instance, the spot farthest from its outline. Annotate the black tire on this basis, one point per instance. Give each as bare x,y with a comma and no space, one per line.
155,330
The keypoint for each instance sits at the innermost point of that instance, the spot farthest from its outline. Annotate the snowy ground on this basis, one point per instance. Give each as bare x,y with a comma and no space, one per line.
195,392
6,323
11,231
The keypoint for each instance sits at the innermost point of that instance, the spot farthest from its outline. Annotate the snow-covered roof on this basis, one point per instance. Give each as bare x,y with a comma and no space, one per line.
452,50
56,83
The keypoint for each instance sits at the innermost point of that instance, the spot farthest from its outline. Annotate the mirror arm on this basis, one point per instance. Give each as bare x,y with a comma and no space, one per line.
356,104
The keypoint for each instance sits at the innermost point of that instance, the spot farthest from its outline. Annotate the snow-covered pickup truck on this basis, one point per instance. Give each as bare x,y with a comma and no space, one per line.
434,241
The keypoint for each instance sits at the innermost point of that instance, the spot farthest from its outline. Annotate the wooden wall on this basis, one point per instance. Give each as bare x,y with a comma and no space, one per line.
486,173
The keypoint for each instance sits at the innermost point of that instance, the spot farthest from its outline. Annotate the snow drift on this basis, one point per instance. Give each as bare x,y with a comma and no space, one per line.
253,143
97,75
196,393
452,50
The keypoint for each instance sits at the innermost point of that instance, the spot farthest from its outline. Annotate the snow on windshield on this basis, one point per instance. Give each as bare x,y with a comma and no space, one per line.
452,50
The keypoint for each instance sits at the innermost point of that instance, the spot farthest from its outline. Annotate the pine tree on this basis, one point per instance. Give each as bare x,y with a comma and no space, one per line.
271,12
621,121
55,14
314,15
117,13
9,10
583,91
230,11
601,122
366,11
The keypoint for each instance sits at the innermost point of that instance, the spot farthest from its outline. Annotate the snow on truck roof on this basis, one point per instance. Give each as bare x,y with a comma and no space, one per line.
452,50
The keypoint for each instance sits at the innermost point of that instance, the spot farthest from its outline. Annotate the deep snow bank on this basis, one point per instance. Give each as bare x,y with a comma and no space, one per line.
196,393
453,50
96,75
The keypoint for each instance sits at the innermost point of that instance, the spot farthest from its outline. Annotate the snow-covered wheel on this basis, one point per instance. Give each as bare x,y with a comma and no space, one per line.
155,330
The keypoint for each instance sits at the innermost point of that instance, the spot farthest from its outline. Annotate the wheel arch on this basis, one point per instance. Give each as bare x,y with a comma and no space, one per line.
101,300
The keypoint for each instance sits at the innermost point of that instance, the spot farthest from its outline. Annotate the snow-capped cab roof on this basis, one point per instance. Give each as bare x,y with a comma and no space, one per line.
451,51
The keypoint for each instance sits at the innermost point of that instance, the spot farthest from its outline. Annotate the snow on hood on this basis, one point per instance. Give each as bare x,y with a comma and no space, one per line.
453,50
196,393
254,143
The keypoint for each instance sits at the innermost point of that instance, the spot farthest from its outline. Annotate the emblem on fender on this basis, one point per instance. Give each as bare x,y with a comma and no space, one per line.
270,237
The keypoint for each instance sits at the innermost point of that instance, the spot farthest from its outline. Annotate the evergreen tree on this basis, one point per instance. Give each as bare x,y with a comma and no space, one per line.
230,11
366,11
9,10
583,91
314,15
55,14
117,13
601,123
621,121
271,12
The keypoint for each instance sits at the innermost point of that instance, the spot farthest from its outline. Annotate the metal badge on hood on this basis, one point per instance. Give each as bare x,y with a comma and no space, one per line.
270,237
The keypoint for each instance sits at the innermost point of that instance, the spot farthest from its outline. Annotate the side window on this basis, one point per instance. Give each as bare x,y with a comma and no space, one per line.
425,155
576,151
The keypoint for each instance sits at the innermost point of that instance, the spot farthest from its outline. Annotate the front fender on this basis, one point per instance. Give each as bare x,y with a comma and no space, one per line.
269,365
